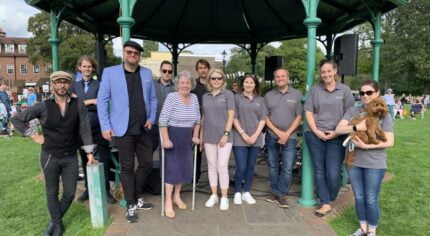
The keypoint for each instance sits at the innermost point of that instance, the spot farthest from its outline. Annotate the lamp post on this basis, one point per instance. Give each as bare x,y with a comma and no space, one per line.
224,55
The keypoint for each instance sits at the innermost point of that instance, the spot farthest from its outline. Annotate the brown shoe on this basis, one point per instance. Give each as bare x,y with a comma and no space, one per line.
282,202
272,197
323,210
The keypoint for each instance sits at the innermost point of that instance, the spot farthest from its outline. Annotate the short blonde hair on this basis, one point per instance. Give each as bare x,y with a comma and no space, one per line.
208,79
187,75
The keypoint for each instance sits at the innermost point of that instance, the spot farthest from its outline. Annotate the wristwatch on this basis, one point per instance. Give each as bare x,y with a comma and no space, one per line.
226,133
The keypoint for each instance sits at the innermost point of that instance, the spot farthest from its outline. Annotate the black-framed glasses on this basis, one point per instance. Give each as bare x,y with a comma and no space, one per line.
134,53
367,93
216,78
63,82
167,71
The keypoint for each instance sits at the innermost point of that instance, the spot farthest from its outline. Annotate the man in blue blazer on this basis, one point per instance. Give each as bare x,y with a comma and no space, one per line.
127,106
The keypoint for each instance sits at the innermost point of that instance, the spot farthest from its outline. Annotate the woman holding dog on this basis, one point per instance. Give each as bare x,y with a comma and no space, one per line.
326,105
369,165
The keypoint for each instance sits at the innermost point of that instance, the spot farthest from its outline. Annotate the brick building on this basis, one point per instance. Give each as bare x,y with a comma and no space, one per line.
15,67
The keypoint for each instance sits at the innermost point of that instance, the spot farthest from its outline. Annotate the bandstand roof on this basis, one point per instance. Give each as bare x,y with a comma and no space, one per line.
217,21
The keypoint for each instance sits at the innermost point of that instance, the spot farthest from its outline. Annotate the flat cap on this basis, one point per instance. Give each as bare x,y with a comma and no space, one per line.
134,45
60,75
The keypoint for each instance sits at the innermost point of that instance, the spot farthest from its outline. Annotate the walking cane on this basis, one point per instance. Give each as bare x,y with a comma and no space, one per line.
194,177
162,176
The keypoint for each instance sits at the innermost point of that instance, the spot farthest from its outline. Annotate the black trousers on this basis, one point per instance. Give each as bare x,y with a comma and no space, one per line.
102,155
54,167
129,147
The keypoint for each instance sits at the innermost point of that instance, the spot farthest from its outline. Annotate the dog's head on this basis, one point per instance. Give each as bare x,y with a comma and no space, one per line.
377,107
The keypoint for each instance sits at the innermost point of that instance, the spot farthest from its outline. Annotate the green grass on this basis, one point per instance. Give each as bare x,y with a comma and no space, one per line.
23,208
405,200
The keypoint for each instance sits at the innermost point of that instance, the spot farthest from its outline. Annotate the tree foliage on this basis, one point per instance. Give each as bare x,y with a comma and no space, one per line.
75,42
293,53
404,55
148,47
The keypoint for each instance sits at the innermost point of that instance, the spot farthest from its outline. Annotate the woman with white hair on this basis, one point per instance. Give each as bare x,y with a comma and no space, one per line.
179,128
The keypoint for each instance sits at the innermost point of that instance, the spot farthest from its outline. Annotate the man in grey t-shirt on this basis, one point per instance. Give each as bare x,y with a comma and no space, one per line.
284,115
163,87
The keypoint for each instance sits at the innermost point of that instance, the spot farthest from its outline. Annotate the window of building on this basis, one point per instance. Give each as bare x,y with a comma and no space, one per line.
23,69
10,68
36,69
9,48
22,49
48,69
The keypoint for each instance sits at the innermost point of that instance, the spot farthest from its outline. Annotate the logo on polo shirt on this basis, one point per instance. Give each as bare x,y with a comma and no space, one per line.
257,104
291,101
339,97
221,100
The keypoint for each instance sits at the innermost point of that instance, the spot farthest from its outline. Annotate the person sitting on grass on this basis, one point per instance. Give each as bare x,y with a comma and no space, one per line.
416,108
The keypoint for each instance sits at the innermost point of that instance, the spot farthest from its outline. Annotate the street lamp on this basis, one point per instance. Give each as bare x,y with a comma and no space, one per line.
224,55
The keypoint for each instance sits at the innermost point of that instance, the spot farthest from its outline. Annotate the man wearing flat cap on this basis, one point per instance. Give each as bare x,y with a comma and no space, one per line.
127,106
64,120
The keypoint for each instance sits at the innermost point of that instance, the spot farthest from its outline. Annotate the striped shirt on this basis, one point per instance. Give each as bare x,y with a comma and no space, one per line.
176,113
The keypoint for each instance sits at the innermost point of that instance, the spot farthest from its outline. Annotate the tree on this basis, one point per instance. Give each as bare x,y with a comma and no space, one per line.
148,47
75,42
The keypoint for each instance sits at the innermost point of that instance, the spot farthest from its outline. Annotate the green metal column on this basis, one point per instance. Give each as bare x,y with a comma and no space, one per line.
376,42
312,21
97,194
125,20
54,40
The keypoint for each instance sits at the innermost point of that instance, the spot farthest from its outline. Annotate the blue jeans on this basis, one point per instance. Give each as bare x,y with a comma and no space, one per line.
327,158
280,178
245,164
366,184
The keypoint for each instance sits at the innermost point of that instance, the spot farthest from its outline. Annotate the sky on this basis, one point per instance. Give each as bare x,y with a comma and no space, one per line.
14,16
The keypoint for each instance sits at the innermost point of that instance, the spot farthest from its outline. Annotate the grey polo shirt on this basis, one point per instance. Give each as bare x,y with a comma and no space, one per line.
215,111
249,113
372,158
329,107
283,108
162,91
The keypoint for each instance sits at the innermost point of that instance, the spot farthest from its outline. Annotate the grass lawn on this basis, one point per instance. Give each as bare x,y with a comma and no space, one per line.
405,200
23,208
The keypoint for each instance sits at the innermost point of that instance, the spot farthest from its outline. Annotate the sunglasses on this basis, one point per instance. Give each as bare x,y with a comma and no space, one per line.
216,78
367,93
167,71
134,53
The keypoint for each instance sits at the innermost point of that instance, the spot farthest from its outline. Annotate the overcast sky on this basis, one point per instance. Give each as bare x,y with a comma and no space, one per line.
14,16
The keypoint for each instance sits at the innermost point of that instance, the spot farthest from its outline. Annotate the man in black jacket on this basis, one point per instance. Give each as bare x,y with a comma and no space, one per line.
64,120
87,89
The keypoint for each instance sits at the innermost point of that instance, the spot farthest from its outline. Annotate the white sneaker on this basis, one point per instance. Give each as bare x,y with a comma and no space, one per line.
237,198
212,201
248,198
224,204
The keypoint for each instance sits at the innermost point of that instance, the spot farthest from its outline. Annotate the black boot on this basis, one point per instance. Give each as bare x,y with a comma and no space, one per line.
49,228
84,197
109,198
58,229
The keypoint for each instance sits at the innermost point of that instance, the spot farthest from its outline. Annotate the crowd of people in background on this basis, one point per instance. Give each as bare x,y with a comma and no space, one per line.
130,110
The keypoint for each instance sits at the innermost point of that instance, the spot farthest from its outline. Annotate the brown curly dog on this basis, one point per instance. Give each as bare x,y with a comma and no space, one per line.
375,110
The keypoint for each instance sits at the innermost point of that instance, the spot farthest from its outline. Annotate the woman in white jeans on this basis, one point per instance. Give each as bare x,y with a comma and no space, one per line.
218,114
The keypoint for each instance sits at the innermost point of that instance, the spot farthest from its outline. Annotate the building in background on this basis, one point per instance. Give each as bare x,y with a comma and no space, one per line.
15,67
187,61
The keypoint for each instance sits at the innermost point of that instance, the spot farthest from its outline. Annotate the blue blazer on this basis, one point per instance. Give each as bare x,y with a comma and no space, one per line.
113,102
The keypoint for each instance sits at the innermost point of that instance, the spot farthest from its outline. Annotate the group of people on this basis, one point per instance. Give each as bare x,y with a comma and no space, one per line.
397,107
135,112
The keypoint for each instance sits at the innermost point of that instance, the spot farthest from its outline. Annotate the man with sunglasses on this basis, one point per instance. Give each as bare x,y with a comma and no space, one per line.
163,87
127,107
64,120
